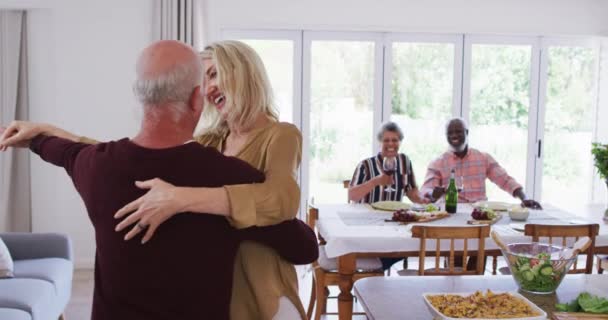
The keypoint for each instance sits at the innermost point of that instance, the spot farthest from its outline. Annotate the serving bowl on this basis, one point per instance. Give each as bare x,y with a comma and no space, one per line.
518,213
537,267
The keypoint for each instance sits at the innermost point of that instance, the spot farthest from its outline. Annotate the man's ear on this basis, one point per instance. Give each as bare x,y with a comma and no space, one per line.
466,131
195,103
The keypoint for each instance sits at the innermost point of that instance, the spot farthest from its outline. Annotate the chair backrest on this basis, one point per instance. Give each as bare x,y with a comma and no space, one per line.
346,184
311,221
563,232
464,234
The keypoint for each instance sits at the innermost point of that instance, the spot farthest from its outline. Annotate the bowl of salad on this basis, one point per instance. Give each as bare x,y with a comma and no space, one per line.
537,267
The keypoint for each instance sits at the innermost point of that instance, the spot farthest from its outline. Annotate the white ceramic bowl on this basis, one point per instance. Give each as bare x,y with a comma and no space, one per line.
518,213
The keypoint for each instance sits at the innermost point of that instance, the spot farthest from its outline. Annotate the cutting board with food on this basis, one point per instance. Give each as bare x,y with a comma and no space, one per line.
484,216
430,213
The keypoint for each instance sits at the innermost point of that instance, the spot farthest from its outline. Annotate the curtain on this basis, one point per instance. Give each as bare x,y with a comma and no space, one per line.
180,20
15,208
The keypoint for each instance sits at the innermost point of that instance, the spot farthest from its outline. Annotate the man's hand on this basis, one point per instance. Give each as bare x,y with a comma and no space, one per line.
438,192
528,203
532,204
384,180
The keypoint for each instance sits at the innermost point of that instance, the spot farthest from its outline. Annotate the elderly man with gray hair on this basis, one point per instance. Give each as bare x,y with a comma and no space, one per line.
187,272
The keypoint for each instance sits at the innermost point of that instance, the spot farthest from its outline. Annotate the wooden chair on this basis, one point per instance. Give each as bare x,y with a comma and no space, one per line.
537,231
464,234
325,272
602,264
346,184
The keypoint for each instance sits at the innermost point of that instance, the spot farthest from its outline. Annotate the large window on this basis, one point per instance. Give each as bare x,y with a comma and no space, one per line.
499,107
422,95
341,110
277,56
569,125
533,110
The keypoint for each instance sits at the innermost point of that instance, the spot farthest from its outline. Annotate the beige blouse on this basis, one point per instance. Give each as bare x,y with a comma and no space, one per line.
261,276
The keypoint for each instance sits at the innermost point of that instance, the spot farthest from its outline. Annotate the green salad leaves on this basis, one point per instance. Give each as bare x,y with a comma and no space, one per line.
586,303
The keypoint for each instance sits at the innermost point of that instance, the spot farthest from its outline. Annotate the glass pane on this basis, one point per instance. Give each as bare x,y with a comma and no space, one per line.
277,56
422,89
500,100
567,169
341,114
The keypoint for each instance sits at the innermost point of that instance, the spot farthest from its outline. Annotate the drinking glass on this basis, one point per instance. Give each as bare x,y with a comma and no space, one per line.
389,166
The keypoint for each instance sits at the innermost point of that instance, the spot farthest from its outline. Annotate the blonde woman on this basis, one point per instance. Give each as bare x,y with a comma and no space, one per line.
239,120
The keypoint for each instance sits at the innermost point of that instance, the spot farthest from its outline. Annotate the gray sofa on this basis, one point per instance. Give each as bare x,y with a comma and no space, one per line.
43,271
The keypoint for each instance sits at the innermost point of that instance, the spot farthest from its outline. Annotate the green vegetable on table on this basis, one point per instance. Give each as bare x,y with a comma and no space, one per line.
585,302
537,274
430,208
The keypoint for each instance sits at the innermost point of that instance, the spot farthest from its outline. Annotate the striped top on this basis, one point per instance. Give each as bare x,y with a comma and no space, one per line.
372,167
473,169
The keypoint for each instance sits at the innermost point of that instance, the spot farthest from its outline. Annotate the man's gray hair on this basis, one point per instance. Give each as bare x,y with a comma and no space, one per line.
392,127
171,87
464,123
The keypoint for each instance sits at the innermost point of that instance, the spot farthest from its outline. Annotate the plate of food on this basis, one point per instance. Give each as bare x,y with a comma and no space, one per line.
484,216
494,205
482,305
425,207
390,205
409,216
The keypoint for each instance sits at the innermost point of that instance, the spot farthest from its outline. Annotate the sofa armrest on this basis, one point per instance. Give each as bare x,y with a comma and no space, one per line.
37,245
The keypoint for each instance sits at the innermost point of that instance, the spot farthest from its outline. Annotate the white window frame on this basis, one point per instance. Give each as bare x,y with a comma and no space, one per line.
309,37
456,39
545,44
296,36
302,40
534,43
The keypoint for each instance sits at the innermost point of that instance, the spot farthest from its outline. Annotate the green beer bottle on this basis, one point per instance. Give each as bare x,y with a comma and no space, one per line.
451,195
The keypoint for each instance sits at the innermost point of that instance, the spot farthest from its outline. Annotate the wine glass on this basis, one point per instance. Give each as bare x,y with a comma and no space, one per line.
389,166
460,185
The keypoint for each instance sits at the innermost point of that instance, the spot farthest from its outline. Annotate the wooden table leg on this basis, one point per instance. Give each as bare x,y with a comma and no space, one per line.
346,269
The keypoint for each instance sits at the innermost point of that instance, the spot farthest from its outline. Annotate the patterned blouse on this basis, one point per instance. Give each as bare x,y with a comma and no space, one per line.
372,167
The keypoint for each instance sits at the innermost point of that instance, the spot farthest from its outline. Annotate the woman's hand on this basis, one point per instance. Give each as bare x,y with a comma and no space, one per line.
150,210
384,180
19,134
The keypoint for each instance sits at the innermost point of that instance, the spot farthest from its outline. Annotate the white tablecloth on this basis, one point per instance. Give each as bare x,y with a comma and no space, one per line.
350,228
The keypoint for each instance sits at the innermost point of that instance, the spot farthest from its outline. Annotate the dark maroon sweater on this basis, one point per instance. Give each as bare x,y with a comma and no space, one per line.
185,270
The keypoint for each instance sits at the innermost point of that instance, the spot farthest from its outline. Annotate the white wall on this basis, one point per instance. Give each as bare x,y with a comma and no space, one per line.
547,17
82,56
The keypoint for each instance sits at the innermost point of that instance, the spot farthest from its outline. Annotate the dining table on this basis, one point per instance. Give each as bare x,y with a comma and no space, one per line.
389,298
352,231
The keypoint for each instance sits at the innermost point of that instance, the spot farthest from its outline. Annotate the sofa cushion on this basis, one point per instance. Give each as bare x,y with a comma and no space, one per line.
36,297
57,271
14,314
6,262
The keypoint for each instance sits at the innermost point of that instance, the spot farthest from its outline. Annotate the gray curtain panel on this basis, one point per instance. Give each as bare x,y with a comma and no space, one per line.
180,20
15,208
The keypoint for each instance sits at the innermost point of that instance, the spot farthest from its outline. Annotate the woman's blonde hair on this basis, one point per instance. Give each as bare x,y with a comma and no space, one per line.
242,78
